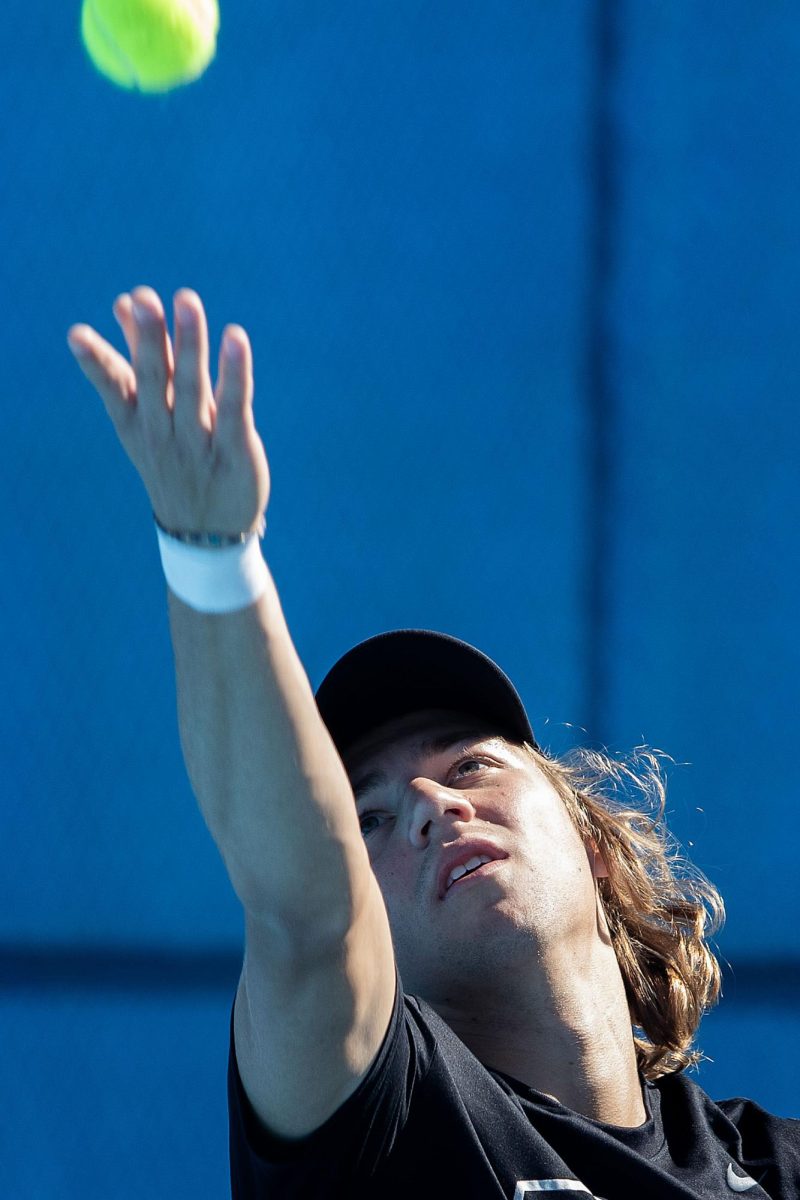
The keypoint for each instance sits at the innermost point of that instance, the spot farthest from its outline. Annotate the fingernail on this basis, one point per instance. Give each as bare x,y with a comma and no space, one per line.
140,312
234,349
78,348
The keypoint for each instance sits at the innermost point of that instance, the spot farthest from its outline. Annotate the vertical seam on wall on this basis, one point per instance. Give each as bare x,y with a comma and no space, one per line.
600,410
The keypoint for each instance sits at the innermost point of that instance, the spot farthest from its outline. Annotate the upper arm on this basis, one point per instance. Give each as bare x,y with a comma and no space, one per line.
310,1018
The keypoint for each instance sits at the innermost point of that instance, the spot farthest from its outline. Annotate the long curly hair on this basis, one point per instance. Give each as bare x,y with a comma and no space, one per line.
660,908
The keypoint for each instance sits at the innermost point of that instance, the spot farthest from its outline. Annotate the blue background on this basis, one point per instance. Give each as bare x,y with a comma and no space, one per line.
520,280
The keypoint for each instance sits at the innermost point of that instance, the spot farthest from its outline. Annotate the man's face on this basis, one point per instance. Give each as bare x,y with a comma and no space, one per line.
540,901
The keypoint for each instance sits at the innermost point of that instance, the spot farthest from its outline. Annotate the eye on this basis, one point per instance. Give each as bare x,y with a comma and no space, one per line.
365,817
457,765
463,761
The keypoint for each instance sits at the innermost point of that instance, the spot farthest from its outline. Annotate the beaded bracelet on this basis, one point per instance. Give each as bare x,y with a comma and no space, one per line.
212,540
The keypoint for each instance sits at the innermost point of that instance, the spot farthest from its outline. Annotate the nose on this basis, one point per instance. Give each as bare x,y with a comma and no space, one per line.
433,802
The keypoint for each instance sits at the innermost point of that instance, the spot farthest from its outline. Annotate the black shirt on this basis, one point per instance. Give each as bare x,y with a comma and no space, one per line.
430,1121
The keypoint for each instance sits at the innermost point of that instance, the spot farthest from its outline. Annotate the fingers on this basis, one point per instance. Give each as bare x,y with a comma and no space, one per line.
108,372
234,392
122,309
194,407
153,365
170,393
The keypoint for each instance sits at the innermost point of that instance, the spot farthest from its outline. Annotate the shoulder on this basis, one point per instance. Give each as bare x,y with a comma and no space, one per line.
750,1118
738,1118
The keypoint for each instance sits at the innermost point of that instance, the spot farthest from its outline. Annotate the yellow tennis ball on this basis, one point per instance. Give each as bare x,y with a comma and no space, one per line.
152,45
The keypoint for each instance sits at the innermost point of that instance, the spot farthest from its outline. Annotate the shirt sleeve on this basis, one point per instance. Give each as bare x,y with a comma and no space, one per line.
344,1151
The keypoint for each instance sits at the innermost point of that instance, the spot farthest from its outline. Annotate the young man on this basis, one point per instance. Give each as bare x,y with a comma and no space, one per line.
466,970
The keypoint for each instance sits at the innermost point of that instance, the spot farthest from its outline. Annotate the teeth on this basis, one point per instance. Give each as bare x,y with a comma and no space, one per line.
457,872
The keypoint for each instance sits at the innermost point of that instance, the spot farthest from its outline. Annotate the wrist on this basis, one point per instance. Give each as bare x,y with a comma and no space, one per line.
212,576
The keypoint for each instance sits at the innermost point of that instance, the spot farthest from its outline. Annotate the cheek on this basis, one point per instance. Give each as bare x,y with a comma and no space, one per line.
397,882
554,845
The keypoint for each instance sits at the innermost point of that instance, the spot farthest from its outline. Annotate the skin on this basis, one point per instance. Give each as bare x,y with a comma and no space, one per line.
520,965
193,443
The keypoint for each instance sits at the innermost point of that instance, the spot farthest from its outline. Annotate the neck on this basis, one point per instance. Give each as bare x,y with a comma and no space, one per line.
570,1038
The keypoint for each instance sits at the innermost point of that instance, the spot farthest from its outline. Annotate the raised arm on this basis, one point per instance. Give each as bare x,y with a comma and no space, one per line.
267,777
318,981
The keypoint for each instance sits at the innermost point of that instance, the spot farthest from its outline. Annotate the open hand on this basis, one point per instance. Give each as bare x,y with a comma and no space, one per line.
196,449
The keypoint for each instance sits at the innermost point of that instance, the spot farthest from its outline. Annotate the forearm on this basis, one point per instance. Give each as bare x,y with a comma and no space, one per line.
268,779
266,774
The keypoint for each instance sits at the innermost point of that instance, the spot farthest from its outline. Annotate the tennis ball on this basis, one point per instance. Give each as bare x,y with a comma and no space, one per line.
152,45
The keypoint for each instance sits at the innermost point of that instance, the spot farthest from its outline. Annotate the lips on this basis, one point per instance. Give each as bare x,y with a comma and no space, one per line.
459,854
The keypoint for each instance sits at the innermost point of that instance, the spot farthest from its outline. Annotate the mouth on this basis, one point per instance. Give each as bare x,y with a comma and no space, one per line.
472,877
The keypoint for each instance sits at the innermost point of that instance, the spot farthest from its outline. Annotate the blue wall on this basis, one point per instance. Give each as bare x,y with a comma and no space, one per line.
520,281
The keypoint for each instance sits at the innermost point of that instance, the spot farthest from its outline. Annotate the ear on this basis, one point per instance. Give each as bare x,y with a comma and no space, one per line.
599,868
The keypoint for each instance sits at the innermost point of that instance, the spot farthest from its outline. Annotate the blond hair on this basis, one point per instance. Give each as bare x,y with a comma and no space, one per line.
660,908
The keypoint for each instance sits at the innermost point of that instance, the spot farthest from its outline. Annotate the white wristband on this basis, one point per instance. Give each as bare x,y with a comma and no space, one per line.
217,580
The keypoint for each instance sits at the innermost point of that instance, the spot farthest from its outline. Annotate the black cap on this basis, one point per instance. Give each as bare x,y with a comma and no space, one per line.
404,670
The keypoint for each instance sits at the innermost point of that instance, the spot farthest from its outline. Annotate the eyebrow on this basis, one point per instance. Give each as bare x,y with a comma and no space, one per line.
431,746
